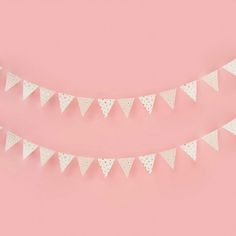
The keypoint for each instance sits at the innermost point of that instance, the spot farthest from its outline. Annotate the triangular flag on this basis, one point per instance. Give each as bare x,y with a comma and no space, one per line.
106,105
148,102
190,148
126,105
11,140
28,148
84,164
212,139
169,97
231,126
126,164
28,88
64,100
11,80
148,162
169,157
212,80
190,89
84,104
45,155
105,165
64,160
231,67
45,95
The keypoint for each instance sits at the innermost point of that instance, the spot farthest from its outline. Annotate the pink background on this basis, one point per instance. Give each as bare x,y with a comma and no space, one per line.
114,49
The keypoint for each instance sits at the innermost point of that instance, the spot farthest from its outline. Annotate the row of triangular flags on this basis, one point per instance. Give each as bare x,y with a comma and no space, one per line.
125,103
190,148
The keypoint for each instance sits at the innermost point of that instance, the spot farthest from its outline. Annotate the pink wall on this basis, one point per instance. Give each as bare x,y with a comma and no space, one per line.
113,49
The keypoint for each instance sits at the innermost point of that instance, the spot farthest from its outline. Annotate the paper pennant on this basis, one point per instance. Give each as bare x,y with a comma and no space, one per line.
212,139
84,104
106,165
64,160
11,80
190,148
212,80
169,157
169,97
231,67
126,105
11,140
126,164
148,102
190,89
148,162
45,155
28,88
106,105
28,148
45,95
84,164
231,126
64,100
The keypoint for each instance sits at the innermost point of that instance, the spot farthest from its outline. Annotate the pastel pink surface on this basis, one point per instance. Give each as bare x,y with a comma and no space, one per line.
114,49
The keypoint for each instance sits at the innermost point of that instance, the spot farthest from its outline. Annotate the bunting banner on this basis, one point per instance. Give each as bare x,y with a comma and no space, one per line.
126,104
190,149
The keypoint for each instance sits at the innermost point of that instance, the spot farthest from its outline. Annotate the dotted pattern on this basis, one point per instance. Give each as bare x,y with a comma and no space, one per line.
64,160
64,100
126,164
84,164
28,88
169,157
148,102
45,95
212,80
126,105
45,155
28,148
169,97
106,105
231,126
11,81
84,104
11,140
191,149
231,67
106,165
148,162
190,89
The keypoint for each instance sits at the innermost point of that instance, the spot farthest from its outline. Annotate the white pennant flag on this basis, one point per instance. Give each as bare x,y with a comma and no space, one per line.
106,165
11,80
231,67
126,105
212,139
106,105
231,126
45,95
28,148
190,89
148,162
28,88
64,100
11,140
190,148
84,164
169,97
212,80
169,157
126,164
45,155
64,160
148,102
84,104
